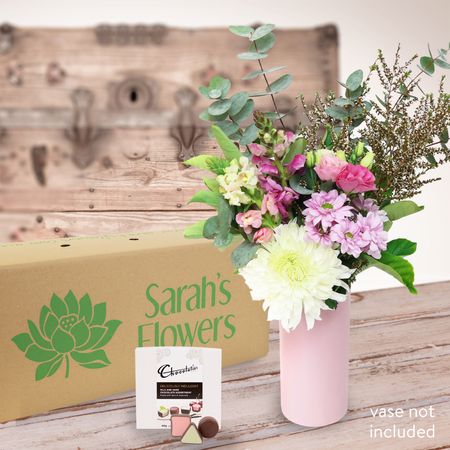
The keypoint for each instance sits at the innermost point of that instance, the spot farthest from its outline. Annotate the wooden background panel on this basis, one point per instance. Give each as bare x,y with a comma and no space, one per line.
407,368
185,57
31,227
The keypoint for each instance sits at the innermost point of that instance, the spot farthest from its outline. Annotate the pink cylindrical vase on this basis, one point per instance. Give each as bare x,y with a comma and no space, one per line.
314,369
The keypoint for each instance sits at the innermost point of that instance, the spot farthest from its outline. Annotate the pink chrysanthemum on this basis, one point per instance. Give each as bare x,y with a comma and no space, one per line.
326,209
317,234
373,237
347,233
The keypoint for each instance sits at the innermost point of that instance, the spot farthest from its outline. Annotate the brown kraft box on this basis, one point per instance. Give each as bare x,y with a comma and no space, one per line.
72,312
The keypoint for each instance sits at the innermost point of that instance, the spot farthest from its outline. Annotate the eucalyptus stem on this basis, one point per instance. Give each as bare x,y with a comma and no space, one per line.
268,87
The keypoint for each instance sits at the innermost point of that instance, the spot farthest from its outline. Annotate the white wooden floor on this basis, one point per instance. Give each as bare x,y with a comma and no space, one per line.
400,357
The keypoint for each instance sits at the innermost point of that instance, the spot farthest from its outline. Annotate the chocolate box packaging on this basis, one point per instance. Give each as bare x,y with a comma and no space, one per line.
73,311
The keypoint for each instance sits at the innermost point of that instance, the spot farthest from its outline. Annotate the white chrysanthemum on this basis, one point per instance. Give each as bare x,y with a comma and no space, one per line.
294,276
238,175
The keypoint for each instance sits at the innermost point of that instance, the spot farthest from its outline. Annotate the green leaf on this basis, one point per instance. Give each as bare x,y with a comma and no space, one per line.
207,117
245,112
427,64
211,227
262,31
273,115
332,304
401,247
241,30
23,341
337,112
243,254
214,93
207,197
85,308
99,314
62,341
398,267
257,73
230,151
401,209
228,127
200,161
341,101
80,332
204,91
71,302
264,44
387,225
194,231
354,80
97,357
217,165
238,101
219,107
111,326
218,82
37,354
354,94
278,85
251,56
297,147
224,216
441,63
48,368
294,183
249,135
36,335
58,307
212,184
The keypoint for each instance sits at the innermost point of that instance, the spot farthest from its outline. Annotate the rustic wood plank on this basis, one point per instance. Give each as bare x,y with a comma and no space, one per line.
399,357
32,227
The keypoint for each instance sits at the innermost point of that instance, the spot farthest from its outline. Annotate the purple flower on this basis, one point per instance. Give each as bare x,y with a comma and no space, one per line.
277,198
265,165
365,204
326,209
373,237
348,234
257,149
297,163
317,235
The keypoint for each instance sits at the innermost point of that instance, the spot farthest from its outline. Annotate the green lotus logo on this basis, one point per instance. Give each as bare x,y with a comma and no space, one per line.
68,330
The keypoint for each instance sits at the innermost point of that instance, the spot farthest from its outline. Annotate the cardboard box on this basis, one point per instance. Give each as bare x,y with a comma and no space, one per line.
72,312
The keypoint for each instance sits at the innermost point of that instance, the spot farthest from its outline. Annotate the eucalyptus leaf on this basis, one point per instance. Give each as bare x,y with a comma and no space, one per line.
427,64
211,227
262,31
214,93
204,91
245,112
354,80
250,134
294,183
337,112
224,217
263,45
220,83
441,63
219,107
241,30
238,101
353,94
341,101
204,115
278,85
257,73
243,254
252,56
228,127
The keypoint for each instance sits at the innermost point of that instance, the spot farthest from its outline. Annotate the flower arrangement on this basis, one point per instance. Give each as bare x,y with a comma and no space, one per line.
314,205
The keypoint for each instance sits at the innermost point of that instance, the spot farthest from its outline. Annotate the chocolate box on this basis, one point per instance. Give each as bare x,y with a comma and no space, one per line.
72,312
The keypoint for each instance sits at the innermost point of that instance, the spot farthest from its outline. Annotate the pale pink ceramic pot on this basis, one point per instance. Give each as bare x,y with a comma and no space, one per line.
314,369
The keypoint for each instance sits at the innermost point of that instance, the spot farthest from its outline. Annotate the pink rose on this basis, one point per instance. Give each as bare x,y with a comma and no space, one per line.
329,167
257,149
249,219
262,236
356,178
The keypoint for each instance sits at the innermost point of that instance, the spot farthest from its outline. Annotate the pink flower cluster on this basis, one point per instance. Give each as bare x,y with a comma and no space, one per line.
348,177
277,199
357,228
252,220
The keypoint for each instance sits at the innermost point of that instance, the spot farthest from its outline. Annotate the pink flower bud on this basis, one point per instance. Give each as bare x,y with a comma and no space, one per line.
262,236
